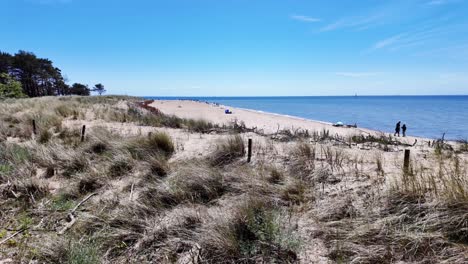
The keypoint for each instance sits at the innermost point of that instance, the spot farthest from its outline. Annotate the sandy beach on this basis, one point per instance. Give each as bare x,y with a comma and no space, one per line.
267,122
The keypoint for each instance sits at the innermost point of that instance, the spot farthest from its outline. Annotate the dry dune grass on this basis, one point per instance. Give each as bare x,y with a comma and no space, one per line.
119,198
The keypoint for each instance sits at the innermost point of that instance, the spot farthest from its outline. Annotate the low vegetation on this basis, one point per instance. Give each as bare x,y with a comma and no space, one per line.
146,195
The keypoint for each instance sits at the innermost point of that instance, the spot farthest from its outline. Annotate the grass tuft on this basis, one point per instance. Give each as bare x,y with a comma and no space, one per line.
156,144
44,136
256,233
227,151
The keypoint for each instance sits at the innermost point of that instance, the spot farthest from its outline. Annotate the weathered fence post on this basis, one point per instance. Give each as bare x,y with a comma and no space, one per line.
34,127
83,130
249,152
406,161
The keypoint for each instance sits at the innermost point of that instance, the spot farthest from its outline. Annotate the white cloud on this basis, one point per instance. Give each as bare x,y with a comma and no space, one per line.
441,2
387,42
305,18
50,2
353,22
356,74
424,35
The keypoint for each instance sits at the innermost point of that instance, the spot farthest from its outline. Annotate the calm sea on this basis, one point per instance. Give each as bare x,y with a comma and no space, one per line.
425,116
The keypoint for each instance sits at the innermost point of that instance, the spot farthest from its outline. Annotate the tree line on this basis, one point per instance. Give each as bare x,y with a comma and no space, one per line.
24,74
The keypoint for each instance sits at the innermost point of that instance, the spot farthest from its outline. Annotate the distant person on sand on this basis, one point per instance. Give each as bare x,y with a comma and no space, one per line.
397,129
403,129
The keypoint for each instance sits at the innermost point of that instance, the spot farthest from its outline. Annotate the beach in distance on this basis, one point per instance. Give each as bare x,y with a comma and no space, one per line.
425,116
264,122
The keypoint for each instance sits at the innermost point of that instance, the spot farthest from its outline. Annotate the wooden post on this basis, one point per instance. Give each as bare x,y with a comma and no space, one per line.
34,127
249,153
83,133
406,161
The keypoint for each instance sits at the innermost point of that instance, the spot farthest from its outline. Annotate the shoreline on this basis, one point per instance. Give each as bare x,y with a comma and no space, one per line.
198,109
430,121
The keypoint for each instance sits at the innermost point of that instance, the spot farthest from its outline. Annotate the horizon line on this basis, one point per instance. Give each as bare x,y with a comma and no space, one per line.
240,96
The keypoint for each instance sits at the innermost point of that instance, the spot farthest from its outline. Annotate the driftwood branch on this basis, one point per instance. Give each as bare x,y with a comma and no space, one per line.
13,235
82,202
68,225
131,192
72,216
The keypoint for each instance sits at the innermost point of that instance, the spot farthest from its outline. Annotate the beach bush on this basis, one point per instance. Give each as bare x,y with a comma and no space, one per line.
294,192
44,137
448,181
256,232
120,166
276,176
155,144
14,154
61,202
83,252
67,110
89,183
158,168
228,150
77,163
463,145
302,160
196,182
199,125
163,142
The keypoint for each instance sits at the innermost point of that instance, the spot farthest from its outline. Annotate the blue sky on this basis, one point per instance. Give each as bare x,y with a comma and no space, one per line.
248,47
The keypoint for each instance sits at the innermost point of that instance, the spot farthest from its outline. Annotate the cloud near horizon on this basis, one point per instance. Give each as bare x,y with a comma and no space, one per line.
303,18
356,74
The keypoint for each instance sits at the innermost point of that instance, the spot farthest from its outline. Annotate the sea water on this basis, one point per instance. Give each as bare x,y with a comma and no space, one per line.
424,116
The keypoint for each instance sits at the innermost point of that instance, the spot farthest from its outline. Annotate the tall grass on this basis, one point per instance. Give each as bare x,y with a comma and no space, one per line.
447,181
302,160
256,233
228,150
155,144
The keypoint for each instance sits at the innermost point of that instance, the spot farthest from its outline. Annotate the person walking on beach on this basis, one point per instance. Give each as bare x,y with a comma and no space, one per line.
403,129
397,129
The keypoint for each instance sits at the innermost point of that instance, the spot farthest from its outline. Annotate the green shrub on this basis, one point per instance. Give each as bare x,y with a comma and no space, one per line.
62,202
13,153
83,252
257,231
